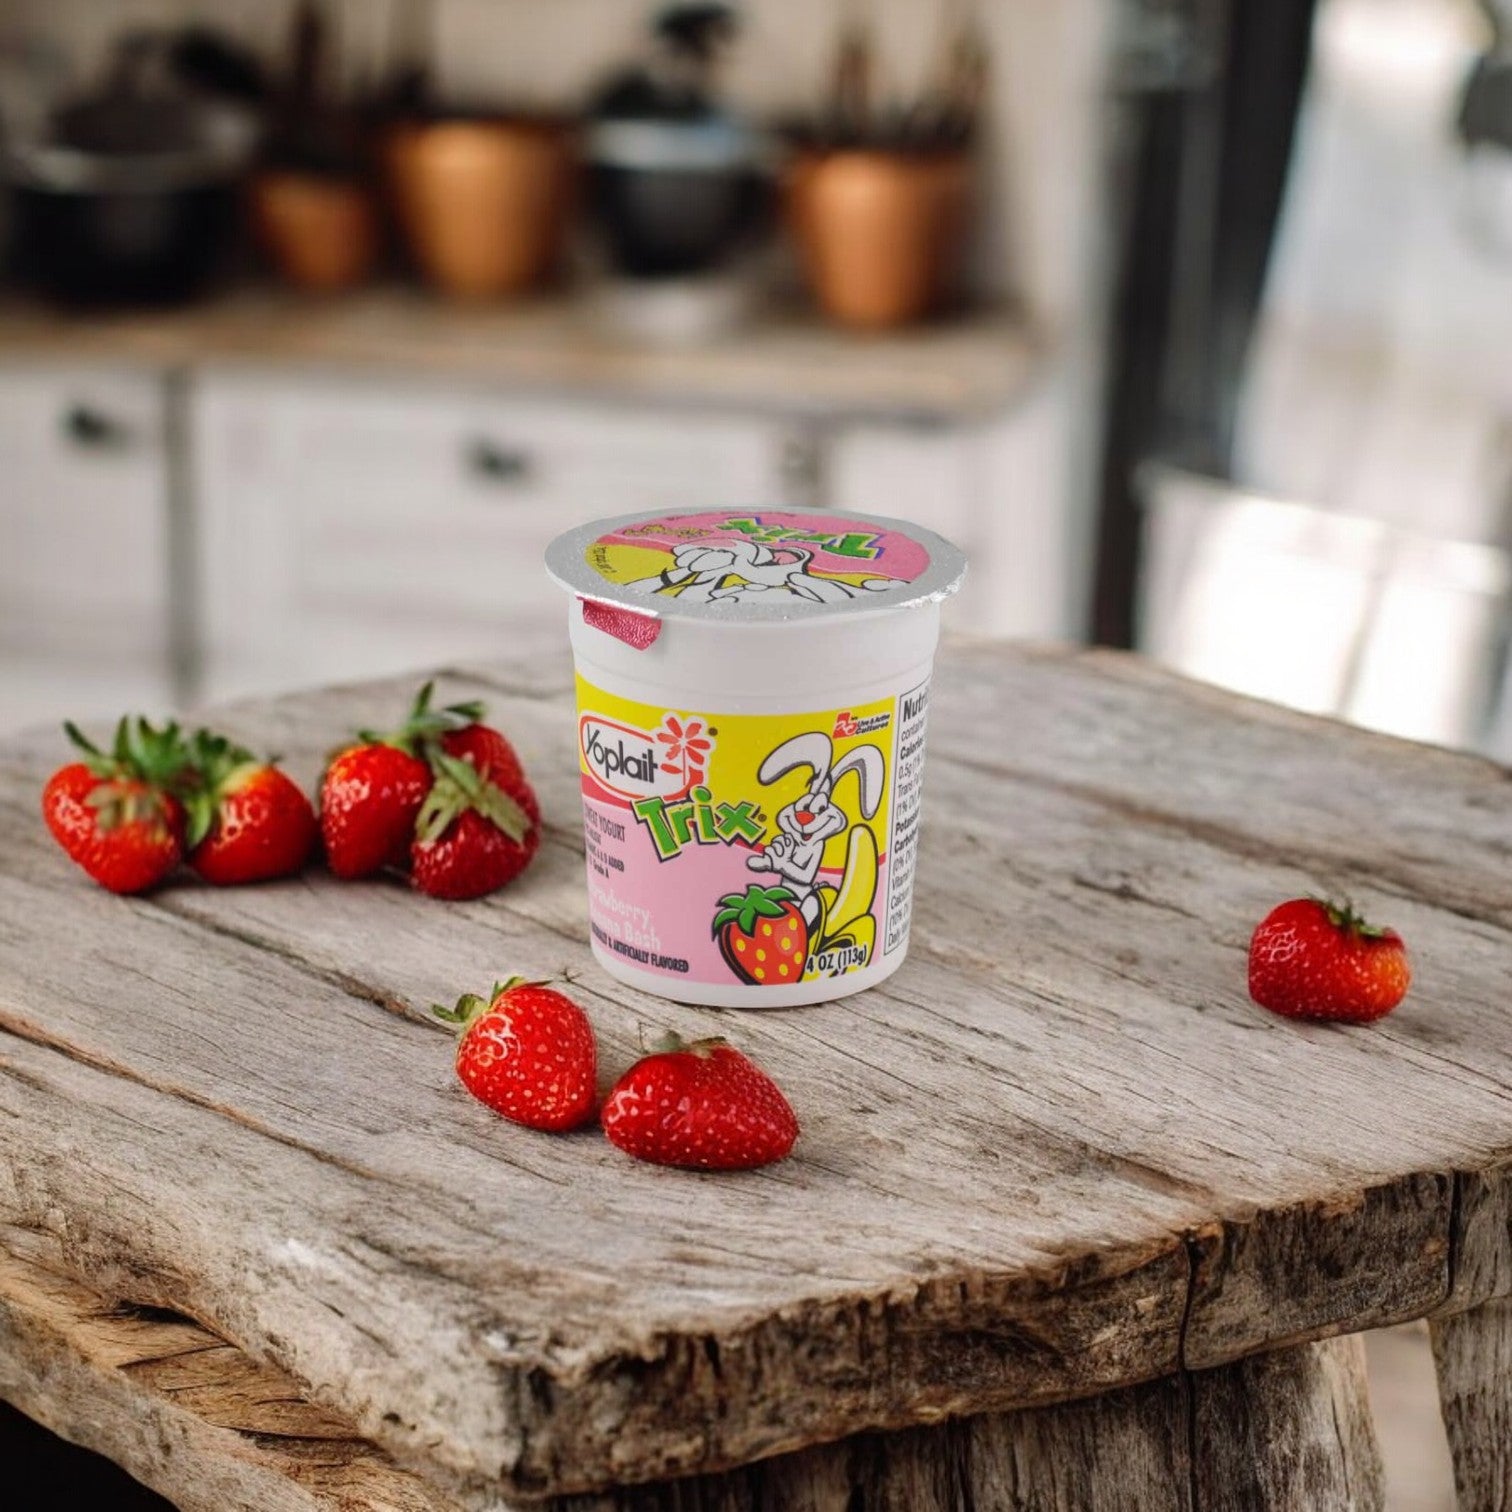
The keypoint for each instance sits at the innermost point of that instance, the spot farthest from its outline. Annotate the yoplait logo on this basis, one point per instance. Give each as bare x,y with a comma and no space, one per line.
663,773
636,763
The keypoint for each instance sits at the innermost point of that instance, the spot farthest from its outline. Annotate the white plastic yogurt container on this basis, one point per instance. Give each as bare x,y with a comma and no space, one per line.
752,693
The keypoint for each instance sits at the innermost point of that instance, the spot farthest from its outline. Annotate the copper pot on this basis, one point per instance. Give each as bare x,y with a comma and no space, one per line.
321,232
879,234
482,204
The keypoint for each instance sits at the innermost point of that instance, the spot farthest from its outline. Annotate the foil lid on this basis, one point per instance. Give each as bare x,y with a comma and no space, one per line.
754,566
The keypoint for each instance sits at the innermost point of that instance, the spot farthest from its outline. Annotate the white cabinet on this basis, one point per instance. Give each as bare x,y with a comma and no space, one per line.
336,527
352,529
1000,490
84,543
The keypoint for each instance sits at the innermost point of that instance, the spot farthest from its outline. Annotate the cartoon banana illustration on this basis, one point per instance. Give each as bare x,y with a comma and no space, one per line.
848,918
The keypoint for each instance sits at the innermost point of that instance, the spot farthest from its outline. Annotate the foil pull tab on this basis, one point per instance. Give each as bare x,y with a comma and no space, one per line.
638,631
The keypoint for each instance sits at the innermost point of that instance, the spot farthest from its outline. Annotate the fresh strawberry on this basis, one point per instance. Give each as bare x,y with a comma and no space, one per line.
486,749
369,799
480,824
762,935
703,1105
248,822
372,792
528,1052
114,813
1313,959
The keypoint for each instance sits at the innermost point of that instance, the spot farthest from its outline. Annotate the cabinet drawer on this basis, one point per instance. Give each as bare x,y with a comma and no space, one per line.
401,527
83,517
445,506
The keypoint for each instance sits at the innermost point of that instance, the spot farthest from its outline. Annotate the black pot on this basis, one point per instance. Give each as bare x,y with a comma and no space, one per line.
674,198
101,247
133,197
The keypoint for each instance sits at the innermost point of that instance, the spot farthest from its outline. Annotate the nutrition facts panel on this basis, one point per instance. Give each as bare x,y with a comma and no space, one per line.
903,848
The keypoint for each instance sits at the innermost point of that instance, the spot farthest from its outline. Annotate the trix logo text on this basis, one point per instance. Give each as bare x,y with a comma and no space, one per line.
698,820
854,544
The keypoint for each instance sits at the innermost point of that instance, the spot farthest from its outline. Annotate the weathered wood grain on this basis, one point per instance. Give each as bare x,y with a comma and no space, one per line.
186,1413
1482,1238
197,1420
1288,1431
1472,1351
1060,1152
1124,1452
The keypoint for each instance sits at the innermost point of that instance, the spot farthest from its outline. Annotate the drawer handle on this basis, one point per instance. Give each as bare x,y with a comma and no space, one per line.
498,464
88,427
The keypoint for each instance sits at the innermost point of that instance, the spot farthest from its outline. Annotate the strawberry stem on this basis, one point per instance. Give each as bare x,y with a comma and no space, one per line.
471,1006
423,726
1344,916
460,787
672,1043
139,752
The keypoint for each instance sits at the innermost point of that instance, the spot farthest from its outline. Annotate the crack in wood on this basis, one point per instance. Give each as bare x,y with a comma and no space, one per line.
36,1035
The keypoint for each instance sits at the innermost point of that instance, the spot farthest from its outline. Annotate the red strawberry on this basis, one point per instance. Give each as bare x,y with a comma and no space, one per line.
528,1052
372,792
762,935
703,1105
114,814
369,799
1313,959
248,822
486,748
480,825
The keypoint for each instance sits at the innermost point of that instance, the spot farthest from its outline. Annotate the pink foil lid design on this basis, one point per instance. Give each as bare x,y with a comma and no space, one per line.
748,567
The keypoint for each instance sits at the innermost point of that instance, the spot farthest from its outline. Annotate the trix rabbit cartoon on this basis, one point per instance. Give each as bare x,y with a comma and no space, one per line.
740,568
829,928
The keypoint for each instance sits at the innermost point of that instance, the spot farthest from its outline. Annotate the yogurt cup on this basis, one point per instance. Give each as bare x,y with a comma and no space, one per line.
752,693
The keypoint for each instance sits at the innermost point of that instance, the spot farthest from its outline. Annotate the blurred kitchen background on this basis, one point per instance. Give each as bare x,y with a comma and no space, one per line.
1188,319
323,318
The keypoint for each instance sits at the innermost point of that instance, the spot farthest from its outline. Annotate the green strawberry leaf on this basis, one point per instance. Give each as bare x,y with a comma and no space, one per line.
757,902
469,1007
1345,917
672,1043
460,787
424,725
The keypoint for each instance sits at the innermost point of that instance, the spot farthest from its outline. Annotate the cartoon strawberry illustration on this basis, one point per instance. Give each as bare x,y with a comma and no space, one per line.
762,935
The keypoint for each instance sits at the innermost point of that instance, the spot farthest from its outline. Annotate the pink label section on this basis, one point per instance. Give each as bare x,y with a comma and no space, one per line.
837,545
642,910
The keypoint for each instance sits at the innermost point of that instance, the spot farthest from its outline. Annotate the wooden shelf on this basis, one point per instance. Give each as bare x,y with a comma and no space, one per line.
966,368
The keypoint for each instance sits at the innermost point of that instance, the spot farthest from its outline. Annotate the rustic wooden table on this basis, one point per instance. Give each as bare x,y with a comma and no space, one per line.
1072,1224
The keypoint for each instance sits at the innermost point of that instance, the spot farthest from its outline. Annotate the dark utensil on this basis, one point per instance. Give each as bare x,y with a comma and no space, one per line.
850,108
408,91
206,60
675,183
96,249
132,197
942,118
673,198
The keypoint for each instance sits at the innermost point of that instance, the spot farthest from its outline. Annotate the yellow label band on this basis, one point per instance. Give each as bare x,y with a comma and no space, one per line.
750,850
